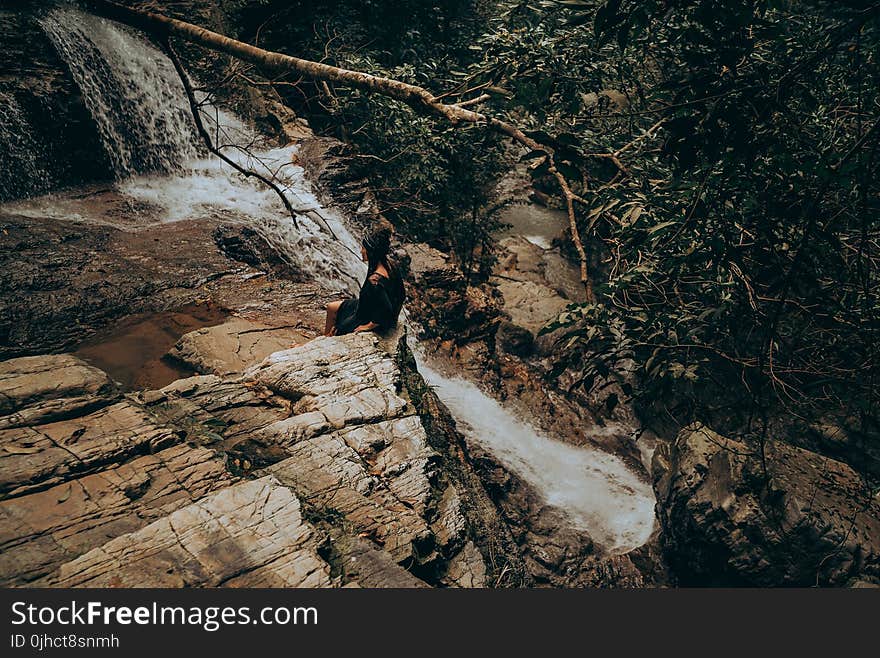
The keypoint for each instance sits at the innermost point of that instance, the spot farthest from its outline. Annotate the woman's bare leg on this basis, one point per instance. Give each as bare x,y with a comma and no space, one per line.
330,323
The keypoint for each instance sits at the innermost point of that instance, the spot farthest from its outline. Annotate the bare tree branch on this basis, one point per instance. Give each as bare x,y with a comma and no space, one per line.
416,97
206,136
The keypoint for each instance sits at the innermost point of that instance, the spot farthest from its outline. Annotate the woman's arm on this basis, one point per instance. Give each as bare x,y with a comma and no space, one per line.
366,327
380,307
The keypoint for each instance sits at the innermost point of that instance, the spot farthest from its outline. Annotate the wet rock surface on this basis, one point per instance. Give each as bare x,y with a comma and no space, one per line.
36,82
80,278
537,283
506,361
554,553
809,520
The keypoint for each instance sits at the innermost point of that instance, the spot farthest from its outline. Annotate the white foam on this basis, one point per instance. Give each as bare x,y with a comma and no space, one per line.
540,241
597,491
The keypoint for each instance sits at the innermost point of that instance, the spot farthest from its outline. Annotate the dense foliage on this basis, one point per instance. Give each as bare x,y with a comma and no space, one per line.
741,243
725,151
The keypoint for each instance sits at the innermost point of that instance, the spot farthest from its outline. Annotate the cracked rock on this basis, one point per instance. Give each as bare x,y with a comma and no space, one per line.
251,534
231,346
39,389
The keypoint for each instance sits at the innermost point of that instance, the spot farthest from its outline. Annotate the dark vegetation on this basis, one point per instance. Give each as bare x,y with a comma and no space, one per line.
433,181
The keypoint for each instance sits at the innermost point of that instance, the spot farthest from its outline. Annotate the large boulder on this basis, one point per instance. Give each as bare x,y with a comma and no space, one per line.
445,303
355,445
793,518
35,389
537,284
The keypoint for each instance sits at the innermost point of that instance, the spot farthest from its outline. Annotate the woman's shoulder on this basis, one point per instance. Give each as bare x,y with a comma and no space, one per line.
377,279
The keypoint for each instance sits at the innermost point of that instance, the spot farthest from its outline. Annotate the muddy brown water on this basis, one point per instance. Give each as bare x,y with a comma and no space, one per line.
537,224
133,351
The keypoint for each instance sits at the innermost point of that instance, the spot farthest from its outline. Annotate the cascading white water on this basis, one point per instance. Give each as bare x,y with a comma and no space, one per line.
130,90
139,105
320,244
23,158
119,72
598,492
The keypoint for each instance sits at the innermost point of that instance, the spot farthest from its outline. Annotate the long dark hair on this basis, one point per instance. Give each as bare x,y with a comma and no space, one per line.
377,244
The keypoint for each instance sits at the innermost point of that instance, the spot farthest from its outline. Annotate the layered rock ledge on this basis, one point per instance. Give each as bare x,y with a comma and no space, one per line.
793,518
312,468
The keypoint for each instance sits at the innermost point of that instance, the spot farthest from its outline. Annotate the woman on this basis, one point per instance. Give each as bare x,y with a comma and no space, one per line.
382,295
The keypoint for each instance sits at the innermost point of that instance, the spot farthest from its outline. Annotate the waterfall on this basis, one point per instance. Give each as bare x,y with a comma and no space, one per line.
596,491
24,160
146,126
130,89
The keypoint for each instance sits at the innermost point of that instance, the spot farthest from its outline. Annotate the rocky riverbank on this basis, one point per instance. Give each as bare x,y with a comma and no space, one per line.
487,332
312,468
728,515
358,453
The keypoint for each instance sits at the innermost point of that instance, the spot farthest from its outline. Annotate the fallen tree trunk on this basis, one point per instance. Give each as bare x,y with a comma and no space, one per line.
416,97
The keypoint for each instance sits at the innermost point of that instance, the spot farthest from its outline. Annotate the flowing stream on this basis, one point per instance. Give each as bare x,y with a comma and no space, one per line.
598,491
142,117
537,224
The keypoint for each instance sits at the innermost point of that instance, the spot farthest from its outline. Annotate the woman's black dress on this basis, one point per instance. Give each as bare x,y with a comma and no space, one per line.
379,302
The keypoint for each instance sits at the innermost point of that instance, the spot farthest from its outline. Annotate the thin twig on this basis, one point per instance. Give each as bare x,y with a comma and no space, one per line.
206,136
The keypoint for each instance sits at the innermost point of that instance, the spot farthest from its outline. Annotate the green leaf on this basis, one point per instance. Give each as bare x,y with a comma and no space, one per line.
661,226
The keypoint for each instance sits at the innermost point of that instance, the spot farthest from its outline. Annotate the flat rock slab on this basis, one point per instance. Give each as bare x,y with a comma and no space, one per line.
525,261
232,346
41,456
39,389
40,531
249,535
362,565
467,569
328,473
215,410
537,284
